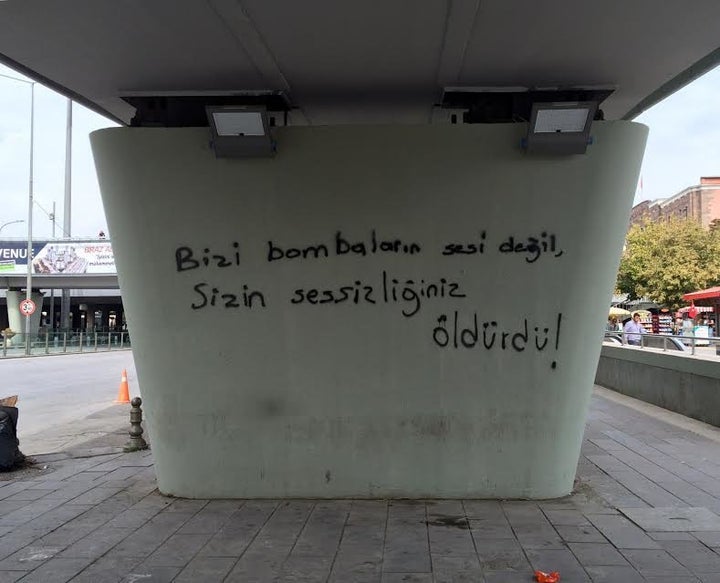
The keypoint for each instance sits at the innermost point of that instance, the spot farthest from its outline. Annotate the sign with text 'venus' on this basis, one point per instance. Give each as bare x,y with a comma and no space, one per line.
58,257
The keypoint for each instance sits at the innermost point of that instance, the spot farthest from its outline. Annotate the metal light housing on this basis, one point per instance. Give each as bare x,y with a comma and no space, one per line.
240,131
560,128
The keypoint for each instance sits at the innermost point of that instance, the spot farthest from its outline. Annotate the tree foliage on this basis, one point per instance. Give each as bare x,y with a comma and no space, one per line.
664,260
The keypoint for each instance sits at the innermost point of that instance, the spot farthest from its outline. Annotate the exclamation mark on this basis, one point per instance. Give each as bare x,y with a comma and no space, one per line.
557,337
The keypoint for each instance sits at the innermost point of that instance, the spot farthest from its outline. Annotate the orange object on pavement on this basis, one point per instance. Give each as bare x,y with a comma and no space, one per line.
124,391
542,577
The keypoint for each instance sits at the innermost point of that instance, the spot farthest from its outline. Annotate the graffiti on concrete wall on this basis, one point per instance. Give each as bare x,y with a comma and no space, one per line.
457,323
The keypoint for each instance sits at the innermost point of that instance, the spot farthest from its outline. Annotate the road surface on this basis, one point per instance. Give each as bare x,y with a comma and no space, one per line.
67,398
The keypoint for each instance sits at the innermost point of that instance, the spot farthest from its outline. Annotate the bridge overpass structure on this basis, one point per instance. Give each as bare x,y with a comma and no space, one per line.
387,227
86,267
74,282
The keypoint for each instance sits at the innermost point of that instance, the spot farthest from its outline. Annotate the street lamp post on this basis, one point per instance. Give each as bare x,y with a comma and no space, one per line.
52,289
67,215
11,223
28,285
28,292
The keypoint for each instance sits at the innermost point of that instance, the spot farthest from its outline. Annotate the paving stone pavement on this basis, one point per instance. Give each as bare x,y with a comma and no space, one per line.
645,508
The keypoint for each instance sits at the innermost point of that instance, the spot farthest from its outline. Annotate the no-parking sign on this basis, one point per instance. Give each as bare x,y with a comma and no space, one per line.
27,307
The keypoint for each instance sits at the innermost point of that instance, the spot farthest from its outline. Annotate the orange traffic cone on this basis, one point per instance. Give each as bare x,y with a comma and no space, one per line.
124,391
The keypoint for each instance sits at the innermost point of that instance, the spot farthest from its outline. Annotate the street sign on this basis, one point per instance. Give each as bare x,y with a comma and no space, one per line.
27,307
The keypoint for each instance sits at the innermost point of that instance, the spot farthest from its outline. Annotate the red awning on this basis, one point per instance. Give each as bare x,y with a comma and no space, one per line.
698,309
704,294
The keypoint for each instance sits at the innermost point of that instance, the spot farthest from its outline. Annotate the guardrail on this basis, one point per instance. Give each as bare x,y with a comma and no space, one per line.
665,342
75,342
64,343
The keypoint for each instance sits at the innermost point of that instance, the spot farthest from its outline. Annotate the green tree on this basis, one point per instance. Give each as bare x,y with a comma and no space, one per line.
664,260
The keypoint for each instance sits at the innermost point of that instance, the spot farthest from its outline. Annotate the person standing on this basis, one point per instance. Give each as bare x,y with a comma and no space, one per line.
634,330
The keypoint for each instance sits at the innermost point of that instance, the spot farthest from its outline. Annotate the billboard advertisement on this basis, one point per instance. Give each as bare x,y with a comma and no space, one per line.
64,257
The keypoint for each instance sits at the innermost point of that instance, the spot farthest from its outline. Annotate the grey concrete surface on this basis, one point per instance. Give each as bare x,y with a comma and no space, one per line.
94,515
680,382
66,400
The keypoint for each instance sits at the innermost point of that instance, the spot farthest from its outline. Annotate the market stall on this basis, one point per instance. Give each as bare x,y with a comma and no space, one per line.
700,320
709,297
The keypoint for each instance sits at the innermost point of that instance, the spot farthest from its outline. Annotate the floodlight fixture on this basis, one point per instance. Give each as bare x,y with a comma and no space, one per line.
560,128
240,131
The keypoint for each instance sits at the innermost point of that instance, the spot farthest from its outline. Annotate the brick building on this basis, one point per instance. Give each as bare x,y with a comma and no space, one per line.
700,202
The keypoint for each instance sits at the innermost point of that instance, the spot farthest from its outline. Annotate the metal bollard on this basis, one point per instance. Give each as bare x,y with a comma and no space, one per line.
136,440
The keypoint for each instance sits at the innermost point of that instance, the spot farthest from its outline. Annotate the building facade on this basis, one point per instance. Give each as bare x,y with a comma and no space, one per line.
700,202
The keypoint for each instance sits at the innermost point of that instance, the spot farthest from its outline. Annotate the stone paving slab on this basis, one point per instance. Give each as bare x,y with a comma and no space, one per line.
677,519
645,508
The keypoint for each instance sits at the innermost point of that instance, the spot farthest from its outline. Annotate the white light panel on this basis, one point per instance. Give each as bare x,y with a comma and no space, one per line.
238,123
561,120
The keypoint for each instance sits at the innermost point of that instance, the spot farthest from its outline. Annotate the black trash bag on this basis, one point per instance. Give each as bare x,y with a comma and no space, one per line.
10,456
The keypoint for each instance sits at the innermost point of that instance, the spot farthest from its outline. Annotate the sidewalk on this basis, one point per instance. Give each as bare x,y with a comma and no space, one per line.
646,508
103,429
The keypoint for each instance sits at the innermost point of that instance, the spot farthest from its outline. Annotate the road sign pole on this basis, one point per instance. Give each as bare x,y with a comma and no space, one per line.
27,309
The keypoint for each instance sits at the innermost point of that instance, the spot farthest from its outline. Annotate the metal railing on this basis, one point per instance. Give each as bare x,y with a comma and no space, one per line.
46,343
49,342
705,345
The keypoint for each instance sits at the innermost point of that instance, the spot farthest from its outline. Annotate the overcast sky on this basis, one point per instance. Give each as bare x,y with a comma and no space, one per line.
88,217
684,145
